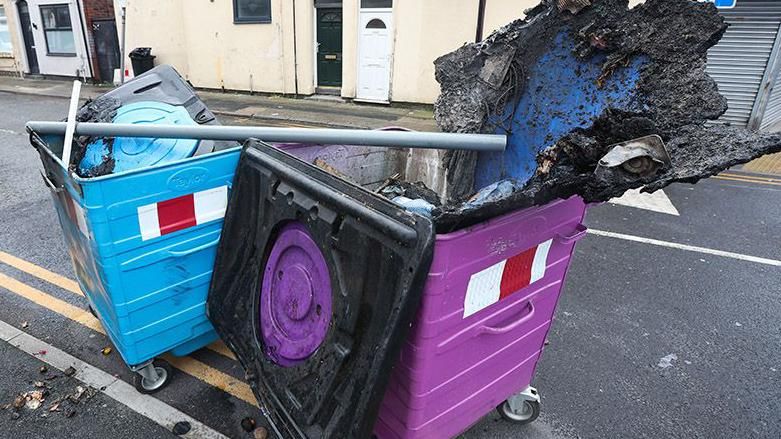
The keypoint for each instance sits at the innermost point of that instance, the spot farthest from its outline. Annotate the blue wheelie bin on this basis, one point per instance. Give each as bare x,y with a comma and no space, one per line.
143,241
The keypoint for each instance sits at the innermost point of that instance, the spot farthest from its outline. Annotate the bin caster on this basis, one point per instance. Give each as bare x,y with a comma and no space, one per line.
152,376
522,408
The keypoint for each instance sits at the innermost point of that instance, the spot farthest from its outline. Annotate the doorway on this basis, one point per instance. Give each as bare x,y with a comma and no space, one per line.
27,35
329,47
104,34
374,56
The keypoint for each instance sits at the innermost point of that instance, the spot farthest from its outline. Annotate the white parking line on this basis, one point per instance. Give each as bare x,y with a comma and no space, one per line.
122,392
685,247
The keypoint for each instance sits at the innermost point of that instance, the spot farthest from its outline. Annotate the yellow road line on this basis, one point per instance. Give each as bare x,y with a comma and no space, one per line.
73,287
719,177
188,365
41,273
59,306
751,177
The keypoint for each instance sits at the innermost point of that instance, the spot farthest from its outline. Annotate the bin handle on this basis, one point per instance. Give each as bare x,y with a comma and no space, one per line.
492,330
49,184
179,254
580,232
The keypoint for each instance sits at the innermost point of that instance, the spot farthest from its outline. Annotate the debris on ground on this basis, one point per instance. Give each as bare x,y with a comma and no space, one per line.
69,371
570,85
181,428
248,424
106,351
25,325
261,433
43,369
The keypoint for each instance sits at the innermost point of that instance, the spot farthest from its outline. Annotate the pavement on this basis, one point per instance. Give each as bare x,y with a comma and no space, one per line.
667,327
326,111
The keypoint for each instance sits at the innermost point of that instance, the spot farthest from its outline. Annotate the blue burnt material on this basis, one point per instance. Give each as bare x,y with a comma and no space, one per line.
563,93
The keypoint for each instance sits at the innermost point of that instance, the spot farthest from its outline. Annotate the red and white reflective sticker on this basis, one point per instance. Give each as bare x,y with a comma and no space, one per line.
157,219
75,213
505,278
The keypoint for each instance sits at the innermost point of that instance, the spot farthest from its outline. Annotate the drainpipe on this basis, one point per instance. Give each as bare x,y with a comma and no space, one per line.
480,21
86,42
122,57
295,48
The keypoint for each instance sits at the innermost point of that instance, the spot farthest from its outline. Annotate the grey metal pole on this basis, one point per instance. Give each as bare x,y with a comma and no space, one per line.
325,136
124,50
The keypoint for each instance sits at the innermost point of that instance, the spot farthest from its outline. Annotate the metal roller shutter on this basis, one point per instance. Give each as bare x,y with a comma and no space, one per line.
773,111
739,61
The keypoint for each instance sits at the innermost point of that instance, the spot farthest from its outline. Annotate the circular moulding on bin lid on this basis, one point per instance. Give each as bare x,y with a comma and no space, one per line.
295,298
133,153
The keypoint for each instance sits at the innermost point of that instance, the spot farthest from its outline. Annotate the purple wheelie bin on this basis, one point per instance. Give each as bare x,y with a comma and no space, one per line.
487,307
338,344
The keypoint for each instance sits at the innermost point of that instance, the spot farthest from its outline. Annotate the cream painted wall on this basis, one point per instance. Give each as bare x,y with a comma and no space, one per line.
199,38
350,10
501,12
426,30
156,24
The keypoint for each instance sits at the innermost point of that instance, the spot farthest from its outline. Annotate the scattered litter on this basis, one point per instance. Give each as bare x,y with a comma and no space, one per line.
34,399
55,407
248,424
773,369
261,433
106,351
39,384
181,428
69,371
41,352
667,361
419,205
25,324
687,362
738,324
69,413
19,401
43,369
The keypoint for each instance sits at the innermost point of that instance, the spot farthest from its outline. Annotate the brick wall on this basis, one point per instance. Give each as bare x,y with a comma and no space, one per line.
96,10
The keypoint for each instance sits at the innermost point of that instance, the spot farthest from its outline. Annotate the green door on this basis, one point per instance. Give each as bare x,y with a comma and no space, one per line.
329,52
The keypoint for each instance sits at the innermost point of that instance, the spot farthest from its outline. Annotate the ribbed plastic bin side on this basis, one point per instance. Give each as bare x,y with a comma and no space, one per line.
143,245
486,311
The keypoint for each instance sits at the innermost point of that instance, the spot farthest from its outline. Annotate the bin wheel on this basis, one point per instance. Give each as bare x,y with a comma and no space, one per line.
145,385
528,412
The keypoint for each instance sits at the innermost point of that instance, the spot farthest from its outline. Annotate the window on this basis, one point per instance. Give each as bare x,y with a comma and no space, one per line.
376,24
376,4
58,30
5,36
252,11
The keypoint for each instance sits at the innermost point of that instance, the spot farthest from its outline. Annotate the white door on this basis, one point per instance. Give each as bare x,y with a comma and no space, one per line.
374,56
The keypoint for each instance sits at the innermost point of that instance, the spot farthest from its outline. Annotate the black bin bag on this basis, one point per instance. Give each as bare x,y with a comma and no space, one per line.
314,289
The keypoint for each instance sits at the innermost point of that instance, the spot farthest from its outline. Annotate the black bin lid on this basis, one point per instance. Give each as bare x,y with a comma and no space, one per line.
292,230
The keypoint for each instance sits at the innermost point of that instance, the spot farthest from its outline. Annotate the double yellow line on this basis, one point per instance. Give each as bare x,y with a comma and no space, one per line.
748,179
188,365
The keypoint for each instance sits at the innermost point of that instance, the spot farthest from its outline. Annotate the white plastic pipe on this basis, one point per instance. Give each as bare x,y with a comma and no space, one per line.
323,136
70,127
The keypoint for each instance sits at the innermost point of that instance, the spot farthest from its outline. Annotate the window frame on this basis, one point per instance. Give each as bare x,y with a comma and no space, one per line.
44,29
253,20
4,17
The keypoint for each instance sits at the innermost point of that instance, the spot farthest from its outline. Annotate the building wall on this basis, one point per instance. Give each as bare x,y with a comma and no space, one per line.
200,39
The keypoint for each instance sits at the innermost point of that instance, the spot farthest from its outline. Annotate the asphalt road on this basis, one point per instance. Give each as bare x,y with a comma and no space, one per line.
649,341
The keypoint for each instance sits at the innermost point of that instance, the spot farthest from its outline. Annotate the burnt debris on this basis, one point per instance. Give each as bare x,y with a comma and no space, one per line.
567,88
